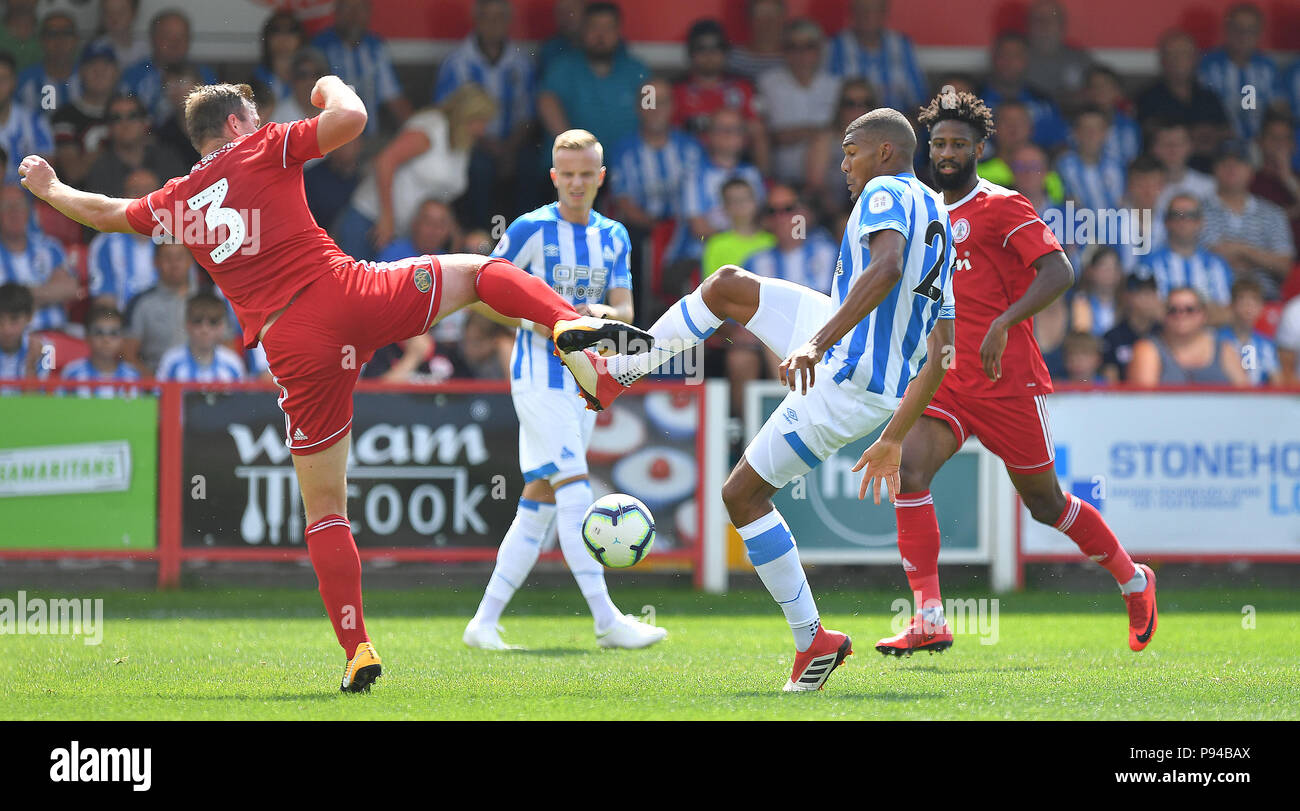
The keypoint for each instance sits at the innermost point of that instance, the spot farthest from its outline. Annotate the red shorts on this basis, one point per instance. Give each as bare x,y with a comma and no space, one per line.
1014,428
316,347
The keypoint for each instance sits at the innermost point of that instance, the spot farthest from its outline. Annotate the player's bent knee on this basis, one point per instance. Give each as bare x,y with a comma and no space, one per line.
1045,509
731,292
913,481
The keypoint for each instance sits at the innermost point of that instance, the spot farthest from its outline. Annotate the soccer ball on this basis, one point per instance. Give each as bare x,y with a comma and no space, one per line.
618,531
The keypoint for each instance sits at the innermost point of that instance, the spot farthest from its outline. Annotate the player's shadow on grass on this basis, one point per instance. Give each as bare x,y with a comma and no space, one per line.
853,695
554,652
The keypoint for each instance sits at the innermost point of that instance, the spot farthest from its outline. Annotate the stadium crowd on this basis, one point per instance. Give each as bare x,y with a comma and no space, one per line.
1187,275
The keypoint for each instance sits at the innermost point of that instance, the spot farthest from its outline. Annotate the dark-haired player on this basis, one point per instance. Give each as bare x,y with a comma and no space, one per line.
319,313
1008,266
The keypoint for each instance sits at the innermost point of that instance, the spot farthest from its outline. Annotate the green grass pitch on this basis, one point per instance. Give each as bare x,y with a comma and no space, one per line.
249,654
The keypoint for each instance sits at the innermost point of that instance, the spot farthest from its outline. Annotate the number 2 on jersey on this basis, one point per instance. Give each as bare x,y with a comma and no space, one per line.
216,216
926,287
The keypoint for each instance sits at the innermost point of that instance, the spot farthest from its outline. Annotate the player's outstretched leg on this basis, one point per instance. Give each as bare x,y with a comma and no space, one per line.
771,548
771,309
515,559
1081,523
926,448
333,553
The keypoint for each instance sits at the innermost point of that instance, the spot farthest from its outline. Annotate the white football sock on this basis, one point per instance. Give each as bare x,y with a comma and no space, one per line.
1138,582
515,558
686,324
571,502
776,559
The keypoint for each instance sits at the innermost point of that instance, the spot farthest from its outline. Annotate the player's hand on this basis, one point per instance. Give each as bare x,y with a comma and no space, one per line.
801,367
881,461
383,230
317,91
37,176
995,343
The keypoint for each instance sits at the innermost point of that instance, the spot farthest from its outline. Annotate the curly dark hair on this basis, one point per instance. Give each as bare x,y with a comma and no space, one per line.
950,105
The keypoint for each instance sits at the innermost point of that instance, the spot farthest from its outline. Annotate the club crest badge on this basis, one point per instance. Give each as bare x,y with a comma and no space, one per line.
423,279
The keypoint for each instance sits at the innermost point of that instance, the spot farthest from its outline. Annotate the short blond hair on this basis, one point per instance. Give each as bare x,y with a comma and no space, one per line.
578,140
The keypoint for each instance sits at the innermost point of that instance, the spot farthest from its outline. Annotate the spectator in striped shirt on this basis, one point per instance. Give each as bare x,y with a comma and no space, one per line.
651,166
886,58
1258,354
120,266
33,259
1094,180
1253,235
488,58
803,253
1057,69
20,353
1145,195
105,363
169,36
1102,87
798,100
1008,81
1185,262
702,194
23,131
361,59
282,38
1238,71
1094,303
57,69
202,358
763,51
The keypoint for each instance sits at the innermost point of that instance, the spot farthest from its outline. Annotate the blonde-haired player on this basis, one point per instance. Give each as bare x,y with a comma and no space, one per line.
583,256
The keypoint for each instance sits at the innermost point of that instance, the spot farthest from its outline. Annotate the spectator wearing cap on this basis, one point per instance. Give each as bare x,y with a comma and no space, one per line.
23,131
1092,178
80,127
1141,307
20,34
886,58
1102,87
1057,69
130,147
763,50
798,100
1186,351
282,37
118,21
1258,354
1276,180
1009,80
1178,97
1252,234
1239,67
597,89
650,167
31,258
57,69
105,362
1171,144
707,88
169,36
361,58
1184,262
120,266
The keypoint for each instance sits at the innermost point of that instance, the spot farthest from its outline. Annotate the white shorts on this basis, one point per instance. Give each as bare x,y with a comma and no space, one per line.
554,431
805,430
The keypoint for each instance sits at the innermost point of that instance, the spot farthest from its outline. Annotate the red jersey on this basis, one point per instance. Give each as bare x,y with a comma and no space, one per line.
996,237
694,102
242,212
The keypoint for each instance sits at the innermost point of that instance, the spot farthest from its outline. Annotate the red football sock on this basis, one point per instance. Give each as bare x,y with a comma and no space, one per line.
338,568
517,294
1084,525
918,544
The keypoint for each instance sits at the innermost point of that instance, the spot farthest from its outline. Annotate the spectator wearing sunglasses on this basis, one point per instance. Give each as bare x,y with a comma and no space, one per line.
803,253
104,334
1184,262
130,147
1187,351
707,88
202,358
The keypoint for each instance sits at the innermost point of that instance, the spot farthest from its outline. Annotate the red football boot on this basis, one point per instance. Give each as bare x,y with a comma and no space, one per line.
591,372
813,667
919,635
1142,611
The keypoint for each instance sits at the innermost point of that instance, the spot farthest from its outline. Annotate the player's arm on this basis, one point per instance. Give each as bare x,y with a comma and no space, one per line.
883,458
881,275
617,308
344,114
92,210
1055,275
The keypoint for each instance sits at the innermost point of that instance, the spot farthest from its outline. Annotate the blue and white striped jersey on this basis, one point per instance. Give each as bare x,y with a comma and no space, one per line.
654,178
811,264
121,266
367,66
1227,79
580,263
144,80
1258,355
179,364
24,133
83,369
14,364
892,68
1206,272
33,268
31,89
1097,185
887,348
510,81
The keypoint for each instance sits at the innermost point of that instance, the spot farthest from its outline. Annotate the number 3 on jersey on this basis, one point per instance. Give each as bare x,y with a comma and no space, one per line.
216,216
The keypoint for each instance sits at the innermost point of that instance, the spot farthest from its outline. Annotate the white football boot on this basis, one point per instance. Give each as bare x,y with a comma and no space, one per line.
486,637
630,632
